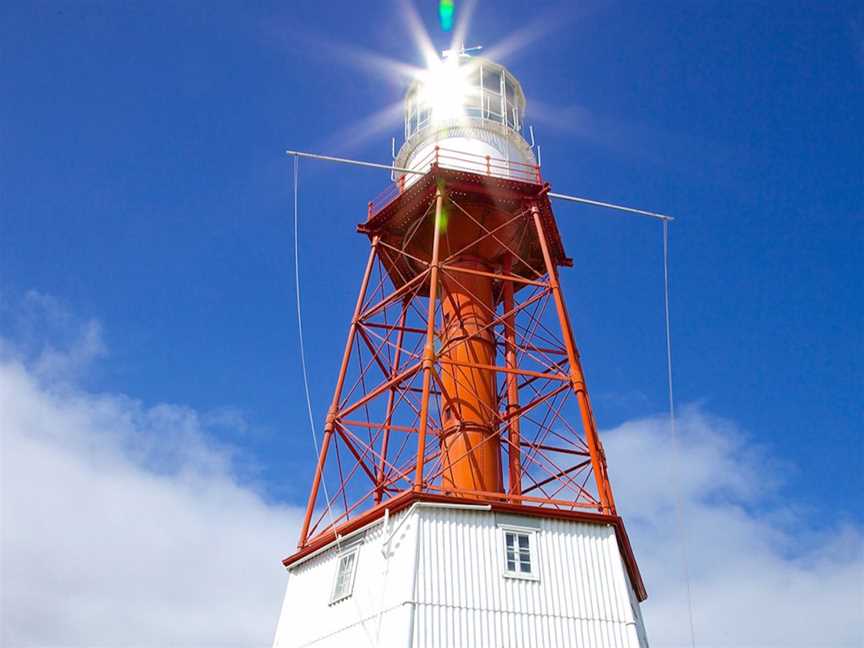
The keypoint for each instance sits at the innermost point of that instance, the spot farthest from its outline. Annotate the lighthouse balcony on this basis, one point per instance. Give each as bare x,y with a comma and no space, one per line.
471,162
482,195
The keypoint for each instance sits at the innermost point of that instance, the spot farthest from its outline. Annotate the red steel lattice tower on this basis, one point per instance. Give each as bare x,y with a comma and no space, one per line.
470,263
454,376
461,494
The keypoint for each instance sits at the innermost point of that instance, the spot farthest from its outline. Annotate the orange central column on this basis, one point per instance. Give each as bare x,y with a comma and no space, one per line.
470,450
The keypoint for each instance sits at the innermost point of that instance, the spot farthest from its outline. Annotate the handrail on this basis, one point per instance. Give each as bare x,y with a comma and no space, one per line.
478,155
462,161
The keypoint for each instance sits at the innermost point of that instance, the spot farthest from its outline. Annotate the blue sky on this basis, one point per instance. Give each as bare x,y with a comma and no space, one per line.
147,299
144,184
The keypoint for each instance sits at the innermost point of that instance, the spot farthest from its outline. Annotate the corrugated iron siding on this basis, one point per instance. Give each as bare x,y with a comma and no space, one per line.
443,586
378,612
462,598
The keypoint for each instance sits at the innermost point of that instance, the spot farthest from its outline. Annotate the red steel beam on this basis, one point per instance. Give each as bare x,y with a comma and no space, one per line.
328,425
577,376
429,349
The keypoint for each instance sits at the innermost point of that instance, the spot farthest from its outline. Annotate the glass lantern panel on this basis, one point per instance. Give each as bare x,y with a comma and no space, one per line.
410,114
493,107
423,116
472,78
472,103
492,79
509,89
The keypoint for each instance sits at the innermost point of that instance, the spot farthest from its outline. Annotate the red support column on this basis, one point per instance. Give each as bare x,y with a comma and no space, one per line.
337,394
577,377
429,348
514,466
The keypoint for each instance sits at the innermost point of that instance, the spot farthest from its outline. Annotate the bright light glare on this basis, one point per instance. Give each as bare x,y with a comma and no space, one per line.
443,88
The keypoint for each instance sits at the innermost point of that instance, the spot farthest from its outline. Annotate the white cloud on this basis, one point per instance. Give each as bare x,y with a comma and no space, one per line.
56,345
127,525
763,571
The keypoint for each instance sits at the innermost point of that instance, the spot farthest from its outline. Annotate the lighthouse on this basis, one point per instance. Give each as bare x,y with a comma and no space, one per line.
461,495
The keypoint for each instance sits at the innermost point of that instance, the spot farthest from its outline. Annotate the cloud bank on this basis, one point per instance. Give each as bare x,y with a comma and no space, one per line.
763,571
122,524
128,525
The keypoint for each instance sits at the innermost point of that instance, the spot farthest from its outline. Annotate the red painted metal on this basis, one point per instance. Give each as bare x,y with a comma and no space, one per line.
460,362
328,425
514,450
429,348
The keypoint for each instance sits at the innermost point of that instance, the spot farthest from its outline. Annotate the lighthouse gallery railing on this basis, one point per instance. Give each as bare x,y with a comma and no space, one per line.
460,161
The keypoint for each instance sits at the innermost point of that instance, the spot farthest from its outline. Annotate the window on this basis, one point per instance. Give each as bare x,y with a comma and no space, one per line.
410,115
509,89
511,117
493,107
519,553
412,120
472,103
492,79
344,583
423,116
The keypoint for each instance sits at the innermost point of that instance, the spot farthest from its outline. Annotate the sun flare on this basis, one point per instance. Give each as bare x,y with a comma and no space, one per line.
443,87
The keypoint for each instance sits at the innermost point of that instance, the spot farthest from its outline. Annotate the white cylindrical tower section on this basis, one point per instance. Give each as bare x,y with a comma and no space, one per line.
472,109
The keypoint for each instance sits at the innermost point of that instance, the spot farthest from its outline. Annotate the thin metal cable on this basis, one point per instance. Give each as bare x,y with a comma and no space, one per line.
300,329
424,171
303,366
679,504
299,311
305,373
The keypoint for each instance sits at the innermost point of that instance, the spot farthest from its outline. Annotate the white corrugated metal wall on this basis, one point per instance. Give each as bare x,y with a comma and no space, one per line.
443,585
581,598
377,613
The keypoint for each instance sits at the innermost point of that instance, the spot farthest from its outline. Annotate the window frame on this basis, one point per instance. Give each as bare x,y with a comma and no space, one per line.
533,552
353,551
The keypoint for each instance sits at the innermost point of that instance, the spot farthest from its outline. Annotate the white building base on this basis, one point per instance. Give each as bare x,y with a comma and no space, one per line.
435,575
